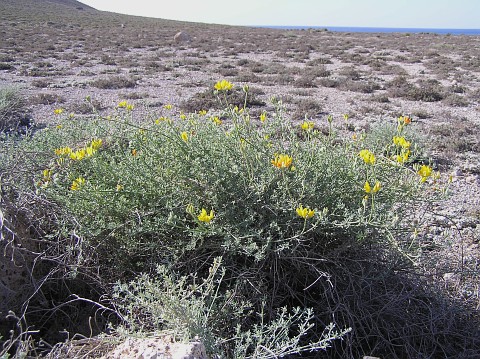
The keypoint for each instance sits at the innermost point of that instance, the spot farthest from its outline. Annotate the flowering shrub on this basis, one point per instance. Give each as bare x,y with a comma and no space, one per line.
270,200
254,174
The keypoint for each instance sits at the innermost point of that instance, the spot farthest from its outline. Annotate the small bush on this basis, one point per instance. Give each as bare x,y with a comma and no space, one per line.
307,108
114,82
207,100
190,307
455,100
6,66
12,108
46,98
427,91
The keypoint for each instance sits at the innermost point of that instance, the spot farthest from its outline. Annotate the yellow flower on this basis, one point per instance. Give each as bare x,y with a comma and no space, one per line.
184,136
58,127
345,117
129,107
424,172
263,117
305,212
307,125
122,104
401,141
403,157
216,120
167,106
375,188
282,161
58,111
63,151
202,112
47,174
183,116
96,143
367,156
223,85
204,217
162,119
90,151
77,184
78,155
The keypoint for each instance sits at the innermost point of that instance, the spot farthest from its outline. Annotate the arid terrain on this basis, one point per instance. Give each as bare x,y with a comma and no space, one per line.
58,52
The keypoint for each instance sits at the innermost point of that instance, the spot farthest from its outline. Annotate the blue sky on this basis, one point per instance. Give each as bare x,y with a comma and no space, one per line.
450,14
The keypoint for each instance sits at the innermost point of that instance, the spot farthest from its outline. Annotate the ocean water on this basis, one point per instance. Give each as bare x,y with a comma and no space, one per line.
380,29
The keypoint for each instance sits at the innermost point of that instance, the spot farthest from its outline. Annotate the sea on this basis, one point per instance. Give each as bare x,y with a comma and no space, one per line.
380,29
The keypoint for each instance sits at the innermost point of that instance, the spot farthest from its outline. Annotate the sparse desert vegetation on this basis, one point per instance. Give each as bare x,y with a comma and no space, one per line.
275,193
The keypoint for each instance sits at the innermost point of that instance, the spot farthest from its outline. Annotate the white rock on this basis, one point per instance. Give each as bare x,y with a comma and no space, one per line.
157,348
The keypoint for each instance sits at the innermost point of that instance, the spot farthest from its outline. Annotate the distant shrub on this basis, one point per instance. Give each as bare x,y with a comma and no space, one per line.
427,91
6,66
114,82
206,100
307,108
47,98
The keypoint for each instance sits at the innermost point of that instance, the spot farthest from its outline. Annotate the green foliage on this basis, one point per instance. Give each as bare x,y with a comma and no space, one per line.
190,307
146,186
11,108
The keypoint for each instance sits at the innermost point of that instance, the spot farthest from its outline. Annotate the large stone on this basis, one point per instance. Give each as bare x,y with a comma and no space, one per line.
157,348
182,36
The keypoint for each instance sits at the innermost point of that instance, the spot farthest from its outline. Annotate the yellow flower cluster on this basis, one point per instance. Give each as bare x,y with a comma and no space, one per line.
307,125
369,189
425,172
162,119
404,145
126,105
223,85
77,184
401,141
282,161
216,120
184,136
403,157
367,156
63,151
58,111
263,117
305,212
205,217
81,153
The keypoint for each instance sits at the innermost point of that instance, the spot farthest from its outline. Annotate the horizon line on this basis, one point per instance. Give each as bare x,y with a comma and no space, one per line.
365,27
